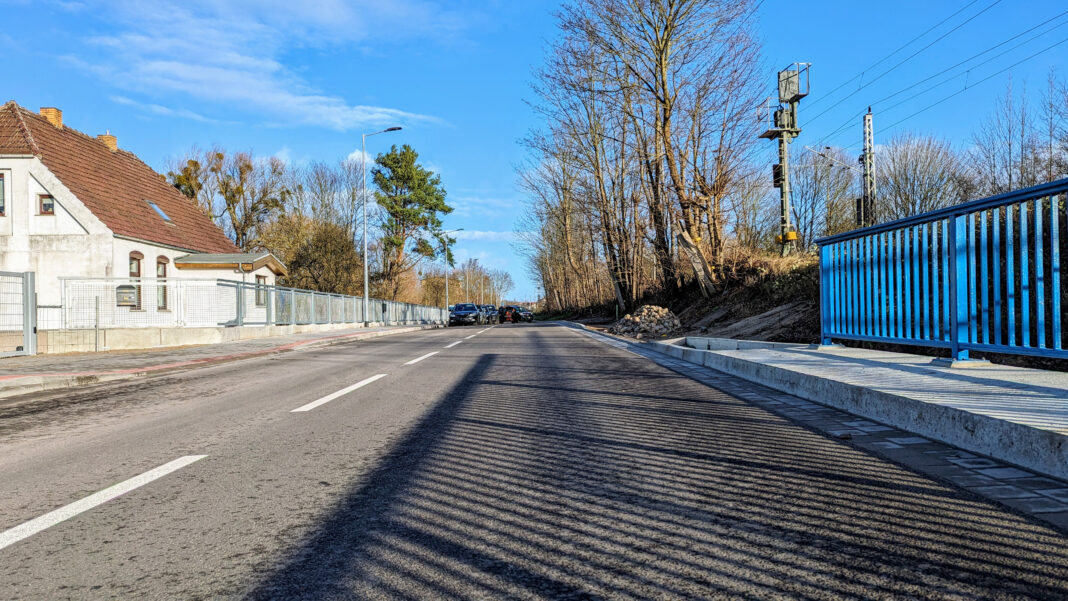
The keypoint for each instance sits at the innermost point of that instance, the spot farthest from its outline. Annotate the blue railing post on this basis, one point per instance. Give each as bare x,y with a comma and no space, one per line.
958,288
825,294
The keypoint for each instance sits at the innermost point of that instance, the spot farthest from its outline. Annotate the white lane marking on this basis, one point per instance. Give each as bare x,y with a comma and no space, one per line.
342,392
418,359
453,344
483,330
28,529
471,336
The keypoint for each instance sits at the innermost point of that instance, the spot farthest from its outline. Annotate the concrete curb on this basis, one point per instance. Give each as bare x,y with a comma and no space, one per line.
1043,451
16,385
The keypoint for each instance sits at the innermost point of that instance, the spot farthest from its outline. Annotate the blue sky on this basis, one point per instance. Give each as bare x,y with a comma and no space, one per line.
302,80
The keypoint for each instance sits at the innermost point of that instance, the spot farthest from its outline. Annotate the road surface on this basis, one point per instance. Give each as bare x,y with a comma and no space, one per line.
522,461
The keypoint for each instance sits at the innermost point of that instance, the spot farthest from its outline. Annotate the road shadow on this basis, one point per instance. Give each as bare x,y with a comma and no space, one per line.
555,471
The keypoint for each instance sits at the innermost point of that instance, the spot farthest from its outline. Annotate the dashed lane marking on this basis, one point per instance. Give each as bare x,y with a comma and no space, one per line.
418,359
453,344
28,529
342,392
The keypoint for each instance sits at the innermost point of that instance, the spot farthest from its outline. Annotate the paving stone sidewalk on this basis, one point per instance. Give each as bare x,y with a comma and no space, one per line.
23,375
1041,497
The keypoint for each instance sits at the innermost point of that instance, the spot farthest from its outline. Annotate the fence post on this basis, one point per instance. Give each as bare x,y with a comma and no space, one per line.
313,311
29,313
269,293
240,295
958,288
292,307
825,294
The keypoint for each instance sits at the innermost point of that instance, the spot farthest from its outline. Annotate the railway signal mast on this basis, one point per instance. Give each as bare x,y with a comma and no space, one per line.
793,86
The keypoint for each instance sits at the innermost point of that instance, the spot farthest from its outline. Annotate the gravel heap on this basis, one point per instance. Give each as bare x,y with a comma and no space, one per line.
648,321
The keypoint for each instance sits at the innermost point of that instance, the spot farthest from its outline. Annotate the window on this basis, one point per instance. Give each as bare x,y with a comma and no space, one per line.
3,196
261,291
46,205
159,210
135,272
161,283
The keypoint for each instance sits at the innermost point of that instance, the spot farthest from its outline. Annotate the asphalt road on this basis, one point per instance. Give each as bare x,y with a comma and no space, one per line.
527,462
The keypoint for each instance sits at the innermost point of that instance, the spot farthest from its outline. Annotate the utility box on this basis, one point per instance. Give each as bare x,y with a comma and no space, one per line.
793,83
126,296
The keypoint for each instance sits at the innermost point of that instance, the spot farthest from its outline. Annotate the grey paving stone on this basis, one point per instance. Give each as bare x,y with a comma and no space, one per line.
1060,494
1037,505
1005,473
909,440
844,432
978,462
860,424
1002,491
971,479
883,445
873,429
1037,483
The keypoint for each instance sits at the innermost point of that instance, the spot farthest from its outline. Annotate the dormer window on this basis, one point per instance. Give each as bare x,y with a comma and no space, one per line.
159,210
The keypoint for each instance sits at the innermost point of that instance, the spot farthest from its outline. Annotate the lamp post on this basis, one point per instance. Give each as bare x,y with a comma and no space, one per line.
365,261
446,242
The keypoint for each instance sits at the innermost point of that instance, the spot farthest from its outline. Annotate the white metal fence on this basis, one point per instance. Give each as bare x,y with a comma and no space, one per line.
18,329
173,303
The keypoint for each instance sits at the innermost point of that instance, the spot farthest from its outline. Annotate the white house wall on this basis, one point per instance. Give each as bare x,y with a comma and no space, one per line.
73,242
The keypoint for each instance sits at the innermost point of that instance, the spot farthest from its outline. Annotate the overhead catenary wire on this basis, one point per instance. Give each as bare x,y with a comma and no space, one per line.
910,57
885,58
848,122
968,87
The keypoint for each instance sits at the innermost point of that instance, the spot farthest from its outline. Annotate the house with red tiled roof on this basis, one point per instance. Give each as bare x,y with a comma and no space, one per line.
77,206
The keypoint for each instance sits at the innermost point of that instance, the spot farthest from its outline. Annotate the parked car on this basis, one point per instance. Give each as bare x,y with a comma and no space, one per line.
526,314
491,314
509,314
465,314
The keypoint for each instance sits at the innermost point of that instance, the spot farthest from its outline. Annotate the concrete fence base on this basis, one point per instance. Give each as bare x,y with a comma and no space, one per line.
114,339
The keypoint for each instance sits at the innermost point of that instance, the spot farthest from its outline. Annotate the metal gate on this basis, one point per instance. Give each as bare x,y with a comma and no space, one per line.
18,314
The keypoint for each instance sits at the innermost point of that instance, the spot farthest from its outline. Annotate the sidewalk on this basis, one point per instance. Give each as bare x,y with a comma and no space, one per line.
1014,414
23,375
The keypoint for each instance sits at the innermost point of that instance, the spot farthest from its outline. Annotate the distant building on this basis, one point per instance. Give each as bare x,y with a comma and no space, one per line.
74,206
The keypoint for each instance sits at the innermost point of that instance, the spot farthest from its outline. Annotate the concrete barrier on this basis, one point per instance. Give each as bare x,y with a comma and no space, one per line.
115,339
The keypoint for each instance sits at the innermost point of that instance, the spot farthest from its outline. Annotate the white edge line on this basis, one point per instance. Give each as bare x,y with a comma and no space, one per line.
418,359
28,529
342,392
471,336
453,344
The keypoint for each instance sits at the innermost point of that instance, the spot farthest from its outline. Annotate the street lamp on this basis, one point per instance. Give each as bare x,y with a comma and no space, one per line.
446,242
365,261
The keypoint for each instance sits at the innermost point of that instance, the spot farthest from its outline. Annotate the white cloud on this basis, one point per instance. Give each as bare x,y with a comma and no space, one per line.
157,109
482,206
230,53
358,154
485,236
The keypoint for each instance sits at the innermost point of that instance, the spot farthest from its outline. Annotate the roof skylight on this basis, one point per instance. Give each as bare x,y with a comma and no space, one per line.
159,210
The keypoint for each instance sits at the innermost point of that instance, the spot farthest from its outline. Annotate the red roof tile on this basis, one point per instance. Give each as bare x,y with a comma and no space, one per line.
115,186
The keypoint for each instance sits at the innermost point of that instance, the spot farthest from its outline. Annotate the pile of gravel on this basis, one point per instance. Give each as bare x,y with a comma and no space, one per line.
648,321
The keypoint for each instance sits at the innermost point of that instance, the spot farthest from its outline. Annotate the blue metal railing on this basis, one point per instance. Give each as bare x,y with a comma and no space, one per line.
984,275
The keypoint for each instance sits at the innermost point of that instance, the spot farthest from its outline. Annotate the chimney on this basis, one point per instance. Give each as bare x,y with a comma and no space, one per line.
109,140
54,115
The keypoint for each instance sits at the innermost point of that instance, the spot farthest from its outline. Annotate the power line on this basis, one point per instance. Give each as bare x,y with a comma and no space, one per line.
910,57
966,88
849,121
883,59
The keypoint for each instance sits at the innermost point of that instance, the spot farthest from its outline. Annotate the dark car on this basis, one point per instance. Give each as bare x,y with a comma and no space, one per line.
509,314
491,314
465,314
526,314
